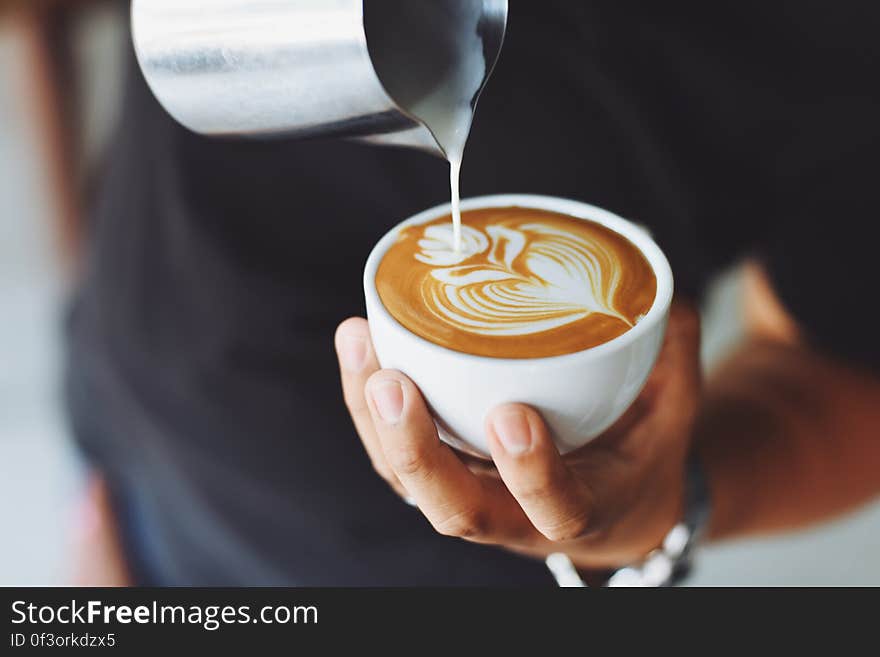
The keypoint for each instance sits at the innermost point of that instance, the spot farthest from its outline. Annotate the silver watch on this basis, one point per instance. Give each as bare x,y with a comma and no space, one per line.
669,564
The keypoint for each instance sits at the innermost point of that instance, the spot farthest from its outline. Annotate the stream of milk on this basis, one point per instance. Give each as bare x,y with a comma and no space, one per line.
434,67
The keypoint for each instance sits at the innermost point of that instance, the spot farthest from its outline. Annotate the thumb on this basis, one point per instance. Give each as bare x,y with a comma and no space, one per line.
557,503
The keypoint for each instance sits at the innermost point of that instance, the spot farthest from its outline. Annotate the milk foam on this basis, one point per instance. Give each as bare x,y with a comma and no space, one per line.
525,283
528,279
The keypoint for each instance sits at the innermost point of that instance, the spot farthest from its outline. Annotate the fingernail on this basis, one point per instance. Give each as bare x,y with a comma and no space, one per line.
352,353
388,400
513,432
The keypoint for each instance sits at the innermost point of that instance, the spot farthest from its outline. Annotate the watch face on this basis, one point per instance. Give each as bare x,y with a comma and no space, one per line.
671,562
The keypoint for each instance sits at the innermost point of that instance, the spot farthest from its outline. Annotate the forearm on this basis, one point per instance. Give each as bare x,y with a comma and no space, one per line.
49,98
788,438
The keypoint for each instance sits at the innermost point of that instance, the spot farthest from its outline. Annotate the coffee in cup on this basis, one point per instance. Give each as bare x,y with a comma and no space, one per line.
524,283
549,302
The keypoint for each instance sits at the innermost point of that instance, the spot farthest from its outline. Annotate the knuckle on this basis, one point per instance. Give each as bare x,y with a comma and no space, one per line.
467,523
538,486
355,403
537,490
567,529
383,470
407,460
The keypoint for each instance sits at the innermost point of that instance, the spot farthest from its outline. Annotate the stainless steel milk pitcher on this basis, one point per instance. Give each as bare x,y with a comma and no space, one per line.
309,67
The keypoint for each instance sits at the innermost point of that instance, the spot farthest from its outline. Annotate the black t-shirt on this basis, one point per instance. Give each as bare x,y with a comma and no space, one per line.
202,370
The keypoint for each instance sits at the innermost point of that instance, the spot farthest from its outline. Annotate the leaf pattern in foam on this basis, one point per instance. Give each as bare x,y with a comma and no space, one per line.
438,245
562,278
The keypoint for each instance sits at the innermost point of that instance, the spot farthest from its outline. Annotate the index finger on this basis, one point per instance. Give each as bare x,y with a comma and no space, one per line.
454,499
357,361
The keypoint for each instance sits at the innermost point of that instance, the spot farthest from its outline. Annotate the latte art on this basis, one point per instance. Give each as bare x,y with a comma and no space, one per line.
525,283
514,290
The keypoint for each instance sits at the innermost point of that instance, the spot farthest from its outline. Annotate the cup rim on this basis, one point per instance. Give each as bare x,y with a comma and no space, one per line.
636,234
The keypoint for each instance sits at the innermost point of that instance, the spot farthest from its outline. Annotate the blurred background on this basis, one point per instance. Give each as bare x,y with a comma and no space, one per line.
40,477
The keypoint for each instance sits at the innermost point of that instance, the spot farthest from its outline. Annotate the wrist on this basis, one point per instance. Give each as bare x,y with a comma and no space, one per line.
670,561
673,560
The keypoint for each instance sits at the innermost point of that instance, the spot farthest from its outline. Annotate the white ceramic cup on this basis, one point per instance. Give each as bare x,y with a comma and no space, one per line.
579,395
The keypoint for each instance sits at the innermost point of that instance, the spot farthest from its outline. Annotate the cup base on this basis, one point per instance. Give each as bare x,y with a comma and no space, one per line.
458,444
